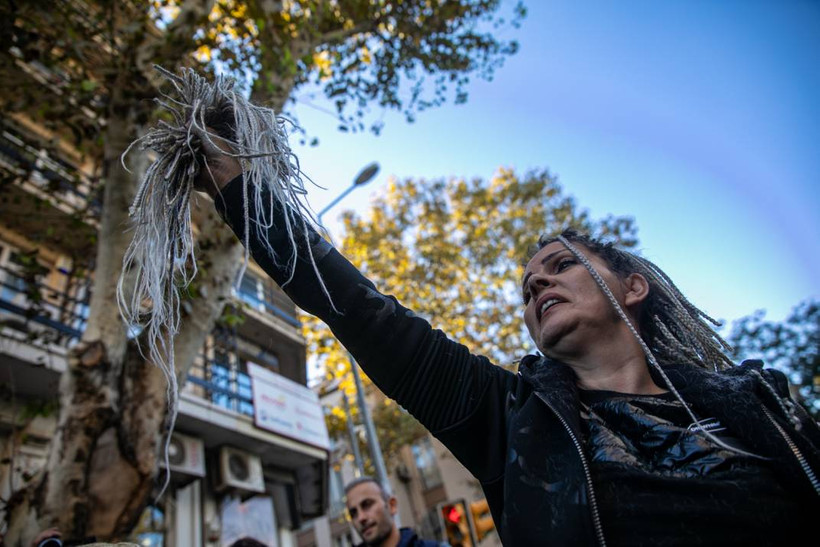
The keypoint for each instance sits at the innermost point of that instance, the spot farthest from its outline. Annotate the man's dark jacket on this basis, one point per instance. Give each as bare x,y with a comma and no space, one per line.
518,434
409,538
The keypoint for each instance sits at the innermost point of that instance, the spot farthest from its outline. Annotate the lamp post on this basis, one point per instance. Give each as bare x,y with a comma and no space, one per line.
365,175
354,442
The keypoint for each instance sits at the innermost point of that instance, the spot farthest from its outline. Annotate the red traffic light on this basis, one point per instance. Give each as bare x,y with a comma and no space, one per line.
455,523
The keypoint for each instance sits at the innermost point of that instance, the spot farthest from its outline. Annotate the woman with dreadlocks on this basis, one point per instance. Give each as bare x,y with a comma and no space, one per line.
630,427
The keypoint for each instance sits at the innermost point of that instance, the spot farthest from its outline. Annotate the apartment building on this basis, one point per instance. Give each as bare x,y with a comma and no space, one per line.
249,454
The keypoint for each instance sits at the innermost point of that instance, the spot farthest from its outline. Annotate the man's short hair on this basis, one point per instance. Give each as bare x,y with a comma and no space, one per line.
362,480
248,542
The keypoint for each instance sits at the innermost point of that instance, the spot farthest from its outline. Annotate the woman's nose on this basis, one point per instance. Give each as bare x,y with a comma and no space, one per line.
538,281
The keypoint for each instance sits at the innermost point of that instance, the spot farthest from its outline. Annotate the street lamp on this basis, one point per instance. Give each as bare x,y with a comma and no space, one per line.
365,175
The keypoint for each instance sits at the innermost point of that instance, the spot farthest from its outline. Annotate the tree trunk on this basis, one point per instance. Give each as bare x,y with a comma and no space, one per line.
102,461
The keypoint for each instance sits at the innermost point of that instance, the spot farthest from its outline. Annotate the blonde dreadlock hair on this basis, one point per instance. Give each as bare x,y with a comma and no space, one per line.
669,326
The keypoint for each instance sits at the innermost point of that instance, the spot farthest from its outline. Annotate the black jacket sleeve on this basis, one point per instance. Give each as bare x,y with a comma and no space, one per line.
458,396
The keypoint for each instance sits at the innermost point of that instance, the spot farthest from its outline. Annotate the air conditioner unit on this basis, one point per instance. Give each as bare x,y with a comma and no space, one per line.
239,470
186,456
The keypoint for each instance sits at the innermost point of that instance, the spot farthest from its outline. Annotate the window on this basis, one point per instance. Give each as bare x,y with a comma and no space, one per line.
243,390
220,373
425,460
248,287
42,298
251,290
262,294
12,286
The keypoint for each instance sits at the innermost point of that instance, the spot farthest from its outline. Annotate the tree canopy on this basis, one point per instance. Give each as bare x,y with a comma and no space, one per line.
66,59
791,345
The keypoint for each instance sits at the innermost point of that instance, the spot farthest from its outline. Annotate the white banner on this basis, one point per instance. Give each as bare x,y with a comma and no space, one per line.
254,519
287,407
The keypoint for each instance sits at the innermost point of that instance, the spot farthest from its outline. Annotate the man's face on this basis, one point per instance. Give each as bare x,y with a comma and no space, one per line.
564,307
371,515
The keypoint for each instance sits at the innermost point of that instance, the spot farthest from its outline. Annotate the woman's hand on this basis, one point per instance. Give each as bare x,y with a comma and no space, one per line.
217,167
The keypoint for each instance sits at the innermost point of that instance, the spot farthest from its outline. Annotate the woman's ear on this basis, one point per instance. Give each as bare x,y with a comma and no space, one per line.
636,289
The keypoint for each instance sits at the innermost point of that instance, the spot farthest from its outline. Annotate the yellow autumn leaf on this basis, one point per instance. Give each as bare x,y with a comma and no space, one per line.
365,56
203,54
323,63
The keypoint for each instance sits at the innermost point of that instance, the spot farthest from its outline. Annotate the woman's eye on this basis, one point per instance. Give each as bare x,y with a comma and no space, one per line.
564,263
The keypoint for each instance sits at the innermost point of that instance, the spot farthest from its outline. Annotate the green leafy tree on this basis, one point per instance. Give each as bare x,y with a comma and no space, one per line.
453,251
82,74
792,345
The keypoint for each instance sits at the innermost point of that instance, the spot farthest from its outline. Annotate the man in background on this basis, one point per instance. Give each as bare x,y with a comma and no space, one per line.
372,512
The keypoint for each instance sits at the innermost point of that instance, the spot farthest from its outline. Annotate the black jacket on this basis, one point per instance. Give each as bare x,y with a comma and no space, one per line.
409,538
516,433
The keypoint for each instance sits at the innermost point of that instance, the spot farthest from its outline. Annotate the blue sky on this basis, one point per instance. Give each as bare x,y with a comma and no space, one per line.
701,119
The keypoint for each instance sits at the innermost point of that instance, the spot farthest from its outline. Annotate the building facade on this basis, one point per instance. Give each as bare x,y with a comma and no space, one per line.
249,452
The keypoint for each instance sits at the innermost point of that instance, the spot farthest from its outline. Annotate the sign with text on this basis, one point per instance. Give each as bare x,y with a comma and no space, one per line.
286,407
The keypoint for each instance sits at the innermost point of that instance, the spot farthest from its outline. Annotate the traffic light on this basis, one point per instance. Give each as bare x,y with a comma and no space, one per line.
455,523
482,519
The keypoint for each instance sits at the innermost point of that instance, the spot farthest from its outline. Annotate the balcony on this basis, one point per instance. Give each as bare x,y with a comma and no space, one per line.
267,304
39,322
42,312
43,316
270,323
44,196
263,295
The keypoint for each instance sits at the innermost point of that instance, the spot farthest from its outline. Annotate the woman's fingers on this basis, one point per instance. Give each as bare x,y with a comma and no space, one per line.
218,165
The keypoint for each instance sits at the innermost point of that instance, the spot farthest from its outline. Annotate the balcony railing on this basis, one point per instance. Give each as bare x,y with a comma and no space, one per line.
53,313
44,313
40,311
222,384
62,181
66,315
251,298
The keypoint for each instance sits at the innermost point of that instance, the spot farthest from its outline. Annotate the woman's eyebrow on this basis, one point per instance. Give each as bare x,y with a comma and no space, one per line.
543,261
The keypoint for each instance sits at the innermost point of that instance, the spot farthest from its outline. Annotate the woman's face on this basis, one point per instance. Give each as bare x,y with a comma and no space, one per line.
564,307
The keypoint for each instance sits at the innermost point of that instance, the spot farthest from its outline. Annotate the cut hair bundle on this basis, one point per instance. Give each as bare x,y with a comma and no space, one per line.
201,120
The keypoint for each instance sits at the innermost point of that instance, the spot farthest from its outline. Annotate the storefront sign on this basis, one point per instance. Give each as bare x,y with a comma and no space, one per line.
286,407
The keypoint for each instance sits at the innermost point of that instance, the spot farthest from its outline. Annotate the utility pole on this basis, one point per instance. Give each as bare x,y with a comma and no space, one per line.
354,439
366,175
